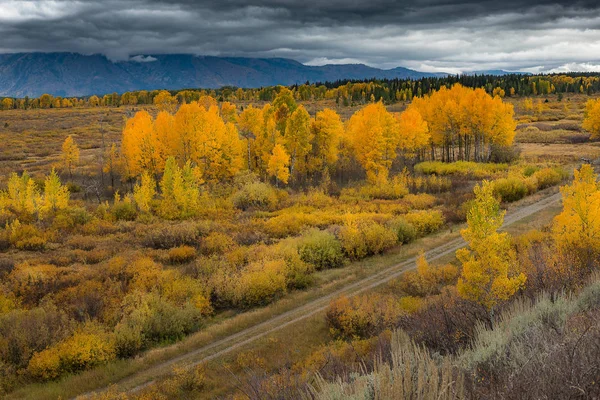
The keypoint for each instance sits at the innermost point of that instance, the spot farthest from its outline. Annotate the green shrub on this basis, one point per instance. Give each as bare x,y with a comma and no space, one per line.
405,231
154,319
256,195
510,189
321,249
124,211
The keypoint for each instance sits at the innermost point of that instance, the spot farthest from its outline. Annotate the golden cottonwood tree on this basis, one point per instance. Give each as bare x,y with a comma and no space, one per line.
464,123
250,124
327,130
489,264
374,136
180,190
70,154
141,147
144,192
591,121
414,132
279,164
194,134
56,196
165,102
577,228
297,137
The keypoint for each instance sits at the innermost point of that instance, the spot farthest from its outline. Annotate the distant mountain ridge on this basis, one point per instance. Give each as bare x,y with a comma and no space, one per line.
73,74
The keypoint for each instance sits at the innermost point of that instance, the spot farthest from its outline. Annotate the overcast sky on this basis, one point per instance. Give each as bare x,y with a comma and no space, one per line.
427,35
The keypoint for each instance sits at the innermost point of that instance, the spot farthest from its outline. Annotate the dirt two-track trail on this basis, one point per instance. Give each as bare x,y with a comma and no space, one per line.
220,347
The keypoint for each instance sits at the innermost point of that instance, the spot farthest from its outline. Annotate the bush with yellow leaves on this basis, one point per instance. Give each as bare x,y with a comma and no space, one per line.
321,249
182,254
260,283
291,223
25,236
427,280
88,346
425,221
362,317
255,195
216,243
362,238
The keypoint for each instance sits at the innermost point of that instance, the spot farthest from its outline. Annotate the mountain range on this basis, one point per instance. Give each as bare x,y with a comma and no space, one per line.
73,74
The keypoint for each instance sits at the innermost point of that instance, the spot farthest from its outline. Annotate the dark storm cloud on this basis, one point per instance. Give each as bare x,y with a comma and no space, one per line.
423,34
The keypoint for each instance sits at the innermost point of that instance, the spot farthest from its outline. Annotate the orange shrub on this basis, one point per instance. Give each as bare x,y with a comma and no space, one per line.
181,254
362,317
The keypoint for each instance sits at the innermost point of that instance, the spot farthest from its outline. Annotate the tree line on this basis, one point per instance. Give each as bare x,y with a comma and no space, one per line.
344,92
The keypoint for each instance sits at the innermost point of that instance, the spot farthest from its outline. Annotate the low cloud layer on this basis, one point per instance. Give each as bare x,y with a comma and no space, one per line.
427,35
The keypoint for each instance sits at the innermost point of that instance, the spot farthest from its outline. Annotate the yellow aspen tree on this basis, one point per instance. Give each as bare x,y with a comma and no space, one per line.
7,103
577,228
180,190
374,136
229,112
70,154
218,151
141,147
489,265
23,194
165,102
591,120
279,164
189,121
207,102
112,163
144,192
498,91
166,135
284,106
327,130
297,137
269,136
414,133
250,125
56,196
